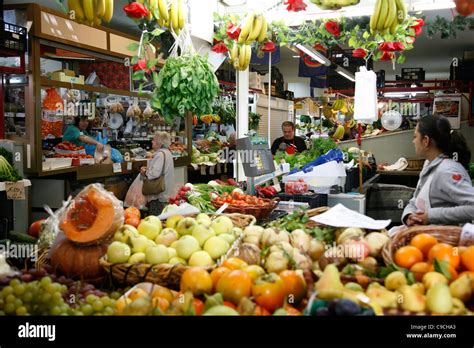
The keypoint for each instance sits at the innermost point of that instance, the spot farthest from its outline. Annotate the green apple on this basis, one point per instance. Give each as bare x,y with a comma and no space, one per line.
124,233
174,244
202,233
172,252
216,247
200,259
202,216
227,237
137,258
172,221
167,237
186,246
222,225
157,254
185,226
237,232
141,243
175,260
118,252
150,227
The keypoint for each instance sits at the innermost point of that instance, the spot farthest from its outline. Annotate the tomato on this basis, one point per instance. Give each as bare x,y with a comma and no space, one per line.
260,311
230,304
131,212
217,273
35,228
234,286
198,306
234,263
161,291
132,220
269,291
294,284
196,280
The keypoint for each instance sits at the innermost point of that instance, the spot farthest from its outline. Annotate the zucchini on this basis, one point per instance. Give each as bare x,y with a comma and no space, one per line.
19,237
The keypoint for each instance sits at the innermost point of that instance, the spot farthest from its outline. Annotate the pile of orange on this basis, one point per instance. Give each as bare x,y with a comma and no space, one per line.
424,248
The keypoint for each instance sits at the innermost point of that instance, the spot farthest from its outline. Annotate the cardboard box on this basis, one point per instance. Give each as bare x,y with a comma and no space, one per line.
255,80
63,77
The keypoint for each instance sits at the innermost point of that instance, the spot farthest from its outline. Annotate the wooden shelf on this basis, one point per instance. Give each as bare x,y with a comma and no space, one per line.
45,82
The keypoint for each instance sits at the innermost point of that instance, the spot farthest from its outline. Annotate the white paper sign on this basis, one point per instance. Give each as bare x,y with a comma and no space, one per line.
467,235
212,170
340,216
129,165
117,167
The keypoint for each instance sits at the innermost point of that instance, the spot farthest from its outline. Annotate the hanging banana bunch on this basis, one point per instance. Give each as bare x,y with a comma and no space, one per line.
171,14
388,14
91,12
240,56
255,28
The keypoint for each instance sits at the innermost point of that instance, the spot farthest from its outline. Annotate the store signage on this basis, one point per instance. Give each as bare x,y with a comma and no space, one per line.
15,190
117,167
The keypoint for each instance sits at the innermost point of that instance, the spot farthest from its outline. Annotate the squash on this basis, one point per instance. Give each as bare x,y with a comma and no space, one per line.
77,261
132,216
93,216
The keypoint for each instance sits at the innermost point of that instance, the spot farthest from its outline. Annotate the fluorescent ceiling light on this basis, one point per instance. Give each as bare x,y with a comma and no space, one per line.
345,73
314,54
234,2
295,56
403,94
431,6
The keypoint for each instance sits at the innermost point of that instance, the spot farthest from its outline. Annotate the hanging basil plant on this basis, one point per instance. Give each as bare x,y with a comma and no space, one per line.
185,83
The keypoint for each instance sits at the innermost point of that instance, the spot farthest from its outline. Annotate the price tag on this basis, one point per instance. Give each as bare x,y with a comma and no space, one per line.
117,167
225,167
276,181
467,235
218,168
129,166
15,190
212,170
277,187
203,170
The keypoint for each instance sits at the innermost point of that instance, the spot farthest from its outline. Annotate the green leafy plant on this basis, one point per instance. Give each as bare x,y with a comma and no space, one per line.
254,120
448,29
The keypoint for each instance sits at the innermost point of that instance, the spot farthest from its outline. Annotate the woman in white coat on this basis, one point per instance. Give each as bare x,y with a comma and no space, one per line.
444,194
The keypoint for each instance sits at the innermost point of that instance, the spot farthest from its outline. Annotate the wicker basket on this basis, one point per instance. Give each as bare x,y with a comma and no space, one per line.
415,163
444,234
315,212
259,212
165,274
43,257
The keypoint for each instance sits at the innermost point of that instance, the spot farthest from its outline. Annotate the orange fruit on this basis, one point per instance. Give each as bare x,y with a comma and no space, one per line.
419,269
424,242
407,256
451,270
467,258
445,252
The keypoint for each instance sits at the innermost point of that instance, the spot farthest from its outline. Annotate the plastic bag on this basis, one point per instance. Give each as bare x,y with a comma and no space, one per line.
53,100
116,156
135,197
332,155
296,187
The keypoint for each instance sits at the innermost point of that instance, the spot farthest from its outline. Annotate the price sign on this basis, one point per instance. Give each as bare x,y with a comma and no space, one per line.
277,187
129,166
276,181
15,191
467,235
117,167
218,168
212,170
203,170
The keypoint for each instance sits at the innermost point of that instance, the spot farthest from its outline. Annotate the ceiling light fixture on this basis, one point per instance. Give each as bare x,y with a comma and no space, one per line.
431,6
313,54
234,2
345,73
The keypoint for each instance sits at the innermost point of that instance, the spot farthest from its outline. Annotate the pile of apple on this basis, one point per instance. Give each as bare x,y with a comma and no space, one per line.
199,241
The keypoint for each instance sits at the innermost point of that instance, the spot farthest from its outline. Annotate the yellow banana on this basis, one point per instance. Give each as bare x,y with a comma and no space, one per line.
174,15
234,53
382,15
401,11
100,8
97,21
181,14
375,16
242,56
109,10
163,8
248,56
88,6
392,14
394,26
256,28
246,28
153,4
75,6
263,32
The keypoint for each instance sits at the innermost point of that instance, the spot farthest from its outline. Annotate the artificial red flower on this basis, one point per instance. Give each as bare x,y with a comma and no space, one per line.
419,23
333,28
142,65
136,10
220,47
269,46
359,53
398,46
233,31
410,40
295,5
387,47
387,56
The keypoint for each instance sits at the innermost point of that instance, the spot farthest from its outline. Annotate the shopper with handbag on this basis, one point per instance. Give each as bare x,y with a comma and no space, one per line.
156,183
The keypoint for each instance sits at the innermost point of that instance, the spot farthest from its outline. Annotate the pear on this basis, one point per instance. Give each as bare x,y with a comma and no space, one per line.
439,299
383,297
458,307
432,278
395,280
461,288
330,287
411,300
419,288
354,286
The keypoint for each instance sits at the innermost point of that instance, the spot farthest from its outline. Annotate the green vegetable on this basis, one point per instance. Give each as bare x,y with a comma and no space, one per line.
21,237
7,154
186,83
7,172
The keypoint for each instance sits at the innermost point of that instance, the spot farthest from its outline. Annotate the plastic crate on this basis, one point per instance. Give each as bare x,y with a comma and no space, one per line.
314,200
13,37
415,74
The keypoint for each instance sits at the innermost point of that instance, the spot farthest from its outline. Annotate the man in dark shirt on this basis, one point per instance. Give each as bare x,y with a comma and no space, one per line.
288,142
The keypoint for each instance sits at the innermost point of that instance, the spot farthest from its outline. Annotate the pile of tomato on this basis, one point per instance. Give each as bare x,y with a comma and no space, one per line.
72,155
68,146
240,200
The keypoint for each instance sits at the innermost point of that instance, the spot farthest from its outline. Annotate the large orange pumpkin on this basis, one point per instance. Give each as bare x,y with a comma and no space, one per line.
93,216
76,261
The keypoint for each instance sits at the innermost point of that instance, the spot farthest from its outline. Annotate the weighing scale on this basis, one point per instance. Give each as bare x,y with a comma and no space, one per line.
256,158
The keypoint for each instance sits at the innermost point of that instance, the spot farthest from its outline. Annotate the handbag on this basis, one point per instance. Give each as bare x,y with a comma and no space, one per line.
155,186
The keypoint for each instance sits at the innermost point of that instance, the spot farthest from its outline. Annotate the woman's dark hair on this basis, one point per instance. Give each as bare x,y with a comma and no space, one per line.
79,119
451,142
